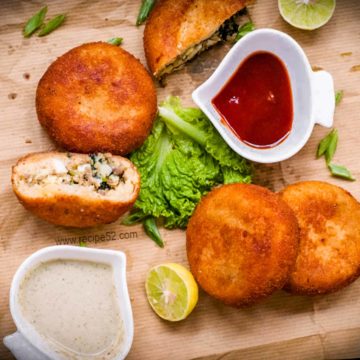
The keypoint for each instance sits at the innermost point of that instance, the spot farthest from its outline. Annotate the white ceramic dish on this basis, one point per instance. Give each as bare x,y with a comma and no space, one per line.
313,93
26,343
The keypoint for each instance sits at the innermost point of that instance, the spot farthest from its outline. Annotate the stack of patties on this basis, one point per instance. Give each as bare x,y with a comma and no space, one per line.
178,30
244,241
99,100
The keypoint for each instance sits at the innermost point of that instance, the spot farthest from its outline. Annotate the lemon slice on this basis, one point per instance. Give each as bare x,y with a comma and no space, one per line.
171,291
307,14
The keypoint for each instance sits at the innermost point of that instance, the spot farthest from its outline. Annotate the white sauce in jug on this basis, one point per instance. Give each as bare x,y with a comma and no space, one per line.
72,305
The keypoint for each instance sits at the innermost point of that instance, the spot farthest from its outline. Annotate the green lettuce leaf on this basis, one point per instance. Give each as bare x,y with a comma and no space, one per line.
181,160
179,118
188,173
231,176
149,160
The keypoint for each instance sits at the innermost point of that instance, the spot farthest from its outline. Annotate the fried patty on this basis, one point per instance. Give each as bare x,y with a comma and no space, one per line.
178,30
242,243
76,190
329,250
97,97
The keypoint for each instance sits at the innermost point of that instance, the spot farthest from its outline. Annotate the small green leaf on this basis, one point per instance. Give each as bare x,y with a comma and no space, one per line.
152,231
82,244
145,9
325,142
115,41
338,96
340,171
134,218
51,25
35,22
244,29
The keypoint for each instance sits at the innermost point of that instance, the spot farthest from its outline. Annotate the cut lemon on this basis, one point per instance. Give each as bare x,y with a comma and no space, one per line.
171,291
307,14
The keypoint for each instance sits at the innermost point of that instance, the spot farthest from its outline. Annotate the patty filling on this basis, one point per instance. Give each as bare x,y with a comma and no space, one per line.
97,171
226,32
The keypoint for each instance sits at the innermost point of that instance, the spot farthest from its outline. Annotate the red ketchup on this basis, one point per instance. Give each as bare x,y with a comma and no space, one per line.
256,102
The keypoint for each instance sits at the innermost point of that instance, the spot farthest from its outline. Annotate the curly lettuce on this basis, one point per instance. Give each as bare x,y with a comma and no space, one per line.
181,160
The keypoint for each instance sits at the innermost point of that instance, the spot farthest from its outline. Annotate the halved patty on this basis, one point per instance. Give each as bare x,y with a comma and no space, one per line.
178,30
76,190
329,250
242,243
97,97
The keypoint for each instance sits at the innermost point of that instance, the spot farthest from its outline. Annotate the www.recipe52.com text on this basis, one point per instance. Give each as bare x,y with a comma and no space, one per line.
96,238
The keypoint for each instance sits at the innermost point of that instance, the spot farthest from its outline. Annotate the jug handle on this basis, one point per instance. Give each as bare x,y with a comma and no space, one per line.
22,349
323,98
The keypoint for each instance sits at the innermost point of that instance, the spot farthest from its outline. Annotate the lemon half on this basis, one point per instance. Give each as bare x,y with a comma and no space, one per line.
171,291
307,14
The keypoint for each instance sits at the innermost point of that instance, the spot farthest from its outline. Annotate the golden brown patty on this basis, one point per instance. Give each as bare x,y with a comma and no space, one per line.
329,250
76,190
242,243
97,97
175,26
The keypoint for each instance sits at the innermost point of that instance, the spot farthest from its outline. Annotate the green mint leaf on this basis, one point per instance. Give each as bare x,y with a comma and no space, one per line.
338,96
340,171
34,22
115,41
244,30
51,25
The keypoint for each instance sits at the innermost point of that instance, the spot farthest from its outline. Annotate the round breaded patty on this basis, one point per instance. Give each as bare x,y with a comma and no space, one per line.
329,249
97,98
242,243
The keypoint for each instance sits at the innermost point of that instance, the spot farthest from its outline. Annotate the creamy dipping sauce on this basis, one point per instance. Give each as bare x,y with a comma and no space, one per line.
72,305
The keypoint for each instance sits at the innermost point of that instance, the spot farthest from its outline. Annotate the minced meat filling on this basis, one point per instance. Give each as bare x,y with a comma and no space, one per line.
99,171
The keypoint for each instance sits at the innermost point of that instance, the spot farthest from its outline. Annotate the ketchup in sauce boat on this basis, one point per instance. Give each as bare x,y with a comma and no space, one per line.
256,102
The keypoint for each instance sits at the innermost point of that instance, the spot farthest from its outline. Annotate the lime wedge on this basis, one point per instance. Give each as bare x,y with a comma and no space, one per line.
171,291
307,14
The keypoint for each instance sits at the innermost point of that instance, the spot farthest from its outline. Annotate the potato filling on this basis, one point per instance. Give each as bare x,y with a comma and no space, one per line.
98,171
